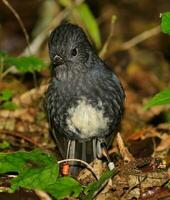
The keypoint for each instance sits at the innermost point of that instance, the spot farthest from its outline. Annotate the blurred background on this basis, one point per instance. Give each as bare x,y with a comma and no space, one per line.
133,17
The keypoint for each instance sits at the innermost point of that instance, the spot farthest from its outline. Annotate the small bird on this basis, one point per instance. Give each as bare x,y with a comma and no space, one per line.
84,100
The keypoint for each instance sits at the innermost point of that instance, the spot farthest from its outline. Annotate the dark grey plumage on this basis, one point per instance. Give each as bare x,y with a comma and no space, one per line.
84,100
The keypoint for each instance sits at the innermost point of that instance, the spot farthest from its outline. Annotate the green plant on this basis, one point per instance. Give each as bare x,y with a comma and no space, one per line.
26,63
92,188
165,22
23,63
37,170
4,145
5,100
162,97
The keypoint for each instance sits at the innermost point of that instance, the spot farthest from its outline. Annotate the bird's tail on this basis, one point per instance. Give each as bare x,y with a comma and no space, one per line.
84,150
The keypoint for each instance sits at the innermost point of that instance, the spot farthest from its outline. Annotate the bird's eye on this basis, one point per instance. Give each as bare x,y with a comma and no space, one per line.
74,52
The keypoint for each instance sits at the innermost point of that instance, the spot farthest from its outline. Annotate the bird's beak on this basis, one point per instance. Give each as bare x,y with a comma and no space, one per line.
58,60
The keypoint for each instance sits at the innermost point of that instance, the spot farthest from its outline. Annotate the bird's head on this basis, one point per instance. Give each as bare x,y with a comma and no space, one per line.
68,44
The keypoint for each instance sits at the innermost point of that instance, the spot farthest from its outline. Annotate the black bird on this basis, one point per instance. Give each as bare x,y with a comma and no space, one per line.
84,100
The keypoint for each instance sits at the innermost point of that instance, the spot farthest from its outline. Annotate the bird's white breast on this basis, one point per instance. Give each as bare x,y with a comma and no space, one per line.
86,119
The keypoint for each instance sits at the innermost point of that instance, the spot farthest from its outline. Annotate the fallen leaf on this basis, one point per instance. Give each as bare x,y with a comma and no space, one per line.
164,144
28,97
127,156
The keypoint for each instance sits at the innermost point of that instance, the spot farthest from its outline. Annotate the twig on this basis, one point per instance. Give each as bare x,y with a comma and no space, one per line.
140,38
10,69
106,45
42,195
8,5
81,161
22,137
37,42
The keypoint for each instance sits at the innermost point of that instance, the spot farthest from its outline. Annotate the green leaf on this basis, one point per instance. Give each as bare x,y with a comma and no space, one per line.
3,55
26,63
89,22
9,105
165,22
166,116
160,98
36,178
4,145
37,170
21,160
64,187
97,185
5,95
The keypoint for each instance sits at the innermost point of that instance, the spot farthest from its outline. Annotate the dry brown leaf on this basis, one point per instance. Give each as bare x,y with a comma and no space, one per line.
164,144
127,156
25,114
28,97
131,181
155,193
8,124
137,135
143,134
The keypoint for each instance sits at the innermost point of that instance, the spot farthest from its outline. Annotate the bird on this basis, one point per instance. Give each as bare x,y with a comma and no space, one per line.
85,99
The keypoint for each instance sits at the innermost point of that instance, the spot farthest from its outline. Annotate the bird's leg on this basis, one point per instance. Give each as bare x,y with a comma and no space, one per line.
68,149
83,156
70,154
94,149
102,151
71,149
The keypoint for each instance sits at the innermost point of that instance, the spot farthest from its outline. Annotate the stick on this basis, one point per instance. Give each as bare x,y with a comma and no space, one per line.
140,38
8,5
